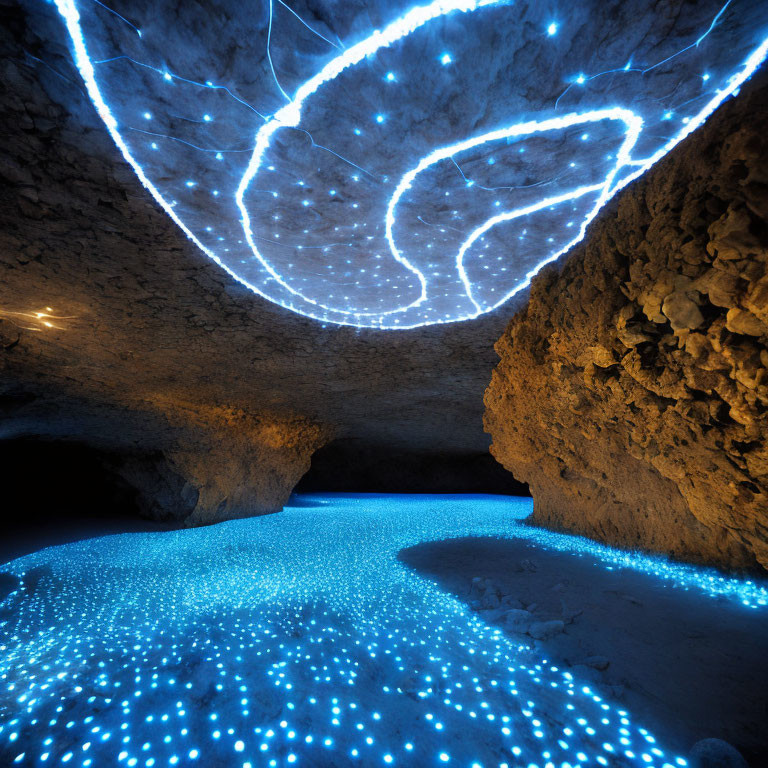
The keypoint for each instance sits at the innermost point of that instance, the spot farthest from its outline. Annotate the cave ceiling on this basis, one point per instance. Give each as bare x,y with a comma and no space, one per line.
391,164
110,312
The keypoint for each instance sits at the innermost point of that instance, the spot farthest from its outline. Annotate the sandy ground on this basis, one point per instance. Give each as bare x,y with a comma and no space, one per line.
691,667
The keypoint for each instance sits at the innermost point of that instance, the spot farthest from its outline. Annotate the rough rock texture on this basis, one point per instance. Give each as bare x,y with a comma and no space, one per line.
632,390
213,399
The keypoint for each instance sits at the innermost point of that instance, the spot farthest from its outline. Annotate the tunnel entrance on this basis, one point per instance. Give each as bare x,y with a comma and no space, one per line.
62,491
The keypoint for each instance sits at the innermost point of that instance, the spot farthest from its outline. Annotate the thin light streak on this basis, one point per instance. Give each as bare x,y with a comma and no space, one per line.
693,45
313,31
170,76
269,53
346,160
36,320
473,183
586,79
187,143
122,18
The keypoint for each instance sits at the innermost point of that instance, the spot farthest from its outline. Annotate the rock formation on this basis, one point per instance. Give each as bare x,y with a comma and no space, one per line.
632,390
208,400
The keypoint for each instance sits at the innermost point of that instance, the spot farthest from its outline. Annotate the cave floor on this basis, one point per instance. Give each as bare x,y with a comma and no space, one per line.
374,630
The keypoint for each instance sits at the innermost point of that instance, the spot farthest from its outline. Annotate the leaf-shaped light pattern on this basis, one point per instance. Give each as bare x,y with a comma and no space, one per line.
417,173
300,638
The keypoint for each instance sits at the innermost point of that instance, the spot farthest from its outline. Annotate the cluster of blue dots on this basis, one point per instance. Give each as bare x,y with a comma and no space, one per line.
358,197
299,638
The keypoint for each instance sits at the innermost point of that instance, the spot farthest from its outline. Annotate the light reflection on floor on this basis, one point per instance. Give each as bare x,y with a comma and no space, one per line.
298,638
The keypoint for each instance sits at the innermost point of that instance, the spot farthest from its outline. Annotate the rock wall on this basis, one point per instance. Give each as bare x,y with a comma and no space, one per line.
211,399
237,463
632,390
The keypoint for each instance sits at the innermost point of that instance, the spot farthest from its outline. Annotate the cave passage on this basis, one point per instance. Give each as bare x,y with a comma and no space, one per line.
304,638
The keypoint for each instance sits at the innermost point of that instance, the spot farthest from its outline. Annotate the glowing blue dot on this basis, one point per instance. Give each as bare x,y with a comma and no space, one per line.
207,118
167,76
147,116
191,183
581,79
446,59
552,29
357,131
390,77
239,746
444,757
379,118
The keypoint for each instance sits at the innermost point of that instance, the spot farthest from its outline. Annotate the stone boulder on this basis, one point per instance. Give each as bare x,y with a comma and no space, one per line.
632,390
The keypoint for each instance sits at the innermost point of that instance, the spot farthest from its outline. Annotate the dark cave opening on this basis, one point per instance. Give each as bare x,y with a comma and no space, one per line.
62,491
352,466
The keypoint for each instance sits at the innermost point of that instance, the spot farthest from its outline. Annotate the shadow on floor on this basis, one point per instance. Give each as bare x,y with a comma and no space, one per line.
687,667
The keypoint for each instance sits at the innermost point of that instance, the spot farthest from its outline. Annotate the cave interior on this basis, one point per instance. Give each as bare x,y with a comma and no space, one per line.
384,382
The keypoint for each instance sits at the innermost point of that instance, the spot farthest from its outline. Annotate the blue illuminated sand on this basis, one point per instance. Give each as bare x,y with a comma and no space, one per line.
414,172
299,638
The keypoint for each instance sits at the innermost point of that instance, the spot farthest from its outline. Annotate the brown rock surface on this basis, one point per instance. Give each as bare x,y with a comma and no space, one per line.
632,390
214,399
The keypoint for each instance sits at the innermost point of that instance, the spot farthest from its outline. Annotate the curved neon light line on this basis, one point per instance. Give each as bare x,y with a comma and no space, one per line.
752,63
632,122
290,115
72,20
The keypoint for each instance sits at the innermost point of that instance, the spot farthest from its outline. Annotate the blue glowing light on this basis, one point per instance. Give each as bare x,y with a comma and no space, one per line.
301,638
664,90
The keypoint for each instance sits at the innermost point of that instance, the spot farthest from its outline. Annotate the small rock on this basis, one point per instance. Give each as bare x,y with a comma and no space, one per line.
743,322
586,674
528,565
491,599
477,586
597,662
543,630
715,753
508,601
518,620
492,616
683,313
